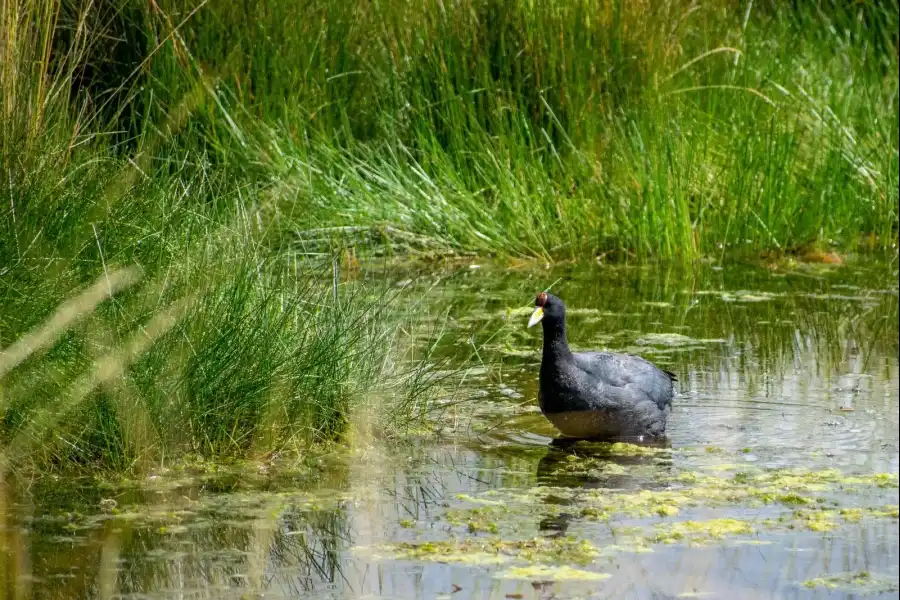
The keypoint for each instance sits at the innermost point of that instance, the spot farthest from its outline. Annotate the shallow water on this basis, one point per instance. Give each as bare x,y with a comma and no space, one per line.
778,478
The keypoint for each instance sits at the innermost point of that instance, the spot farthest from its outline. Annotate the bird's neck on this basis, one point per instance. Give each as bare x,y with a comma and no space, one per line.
555,345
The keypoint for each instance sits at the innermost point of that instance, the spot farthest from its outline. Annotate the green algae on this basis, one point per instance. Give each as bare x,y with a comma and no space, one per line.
835,581
690,532
590,466
625,449
667,510
551,573
447,552
181,510
642,504
700,531
860,582
788,487
851,515
601,450
493,528
821,521
488,525
795,499
885,480
476,520
495,550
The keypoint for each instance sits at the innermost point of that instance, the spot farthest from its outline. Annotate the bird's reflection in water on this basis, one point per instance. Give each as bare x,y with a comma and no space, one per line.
592,465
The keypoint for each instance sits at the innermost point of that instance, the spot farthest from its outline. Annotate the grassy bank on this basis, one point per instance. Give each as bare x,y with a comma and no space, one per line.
675,130
209,171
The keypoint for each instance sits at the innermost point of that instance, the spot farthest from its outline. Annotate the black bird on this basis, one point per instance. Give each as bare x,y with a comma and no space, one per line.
597,394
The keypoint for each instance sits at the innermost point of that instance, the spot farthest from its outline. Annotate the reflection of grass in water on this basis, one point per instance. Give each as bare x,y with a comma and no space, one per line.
674,339
166,537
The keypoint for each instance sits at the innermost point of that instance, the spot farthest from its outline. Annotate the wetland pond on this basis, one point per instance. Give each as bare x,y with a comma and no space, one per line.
778,478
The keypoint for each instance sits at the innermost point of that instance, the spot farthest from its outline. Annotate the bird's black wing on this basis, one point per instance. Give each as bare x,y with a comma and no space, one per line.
626,370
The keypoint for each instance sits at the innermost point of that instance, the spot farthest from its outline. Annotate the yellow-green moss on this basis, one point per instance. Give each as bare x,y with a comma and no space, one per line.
860,582
699,531
549,573
817,520
563,550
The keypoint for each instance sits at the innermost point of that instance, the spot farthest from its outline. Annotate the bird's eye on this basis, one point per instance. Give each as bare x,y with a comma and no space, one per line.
542,299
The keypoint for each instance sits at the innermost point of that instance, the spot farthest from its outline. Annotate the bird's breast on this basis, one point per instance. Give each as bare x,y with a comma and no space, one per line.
561,391
585,423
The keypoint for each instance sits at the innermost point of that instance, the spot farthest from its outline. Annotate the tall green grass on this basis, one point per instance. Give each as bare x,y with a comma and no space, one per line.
144,311
208,343
656,130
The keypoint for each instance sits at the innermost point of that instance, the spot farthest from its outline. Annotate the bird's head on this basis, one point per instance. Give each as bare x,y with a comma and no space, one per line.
546,305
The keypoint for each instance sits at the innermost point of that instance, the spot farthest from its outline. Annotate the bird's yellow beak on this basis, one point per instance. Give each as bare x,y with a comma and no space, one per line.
536,316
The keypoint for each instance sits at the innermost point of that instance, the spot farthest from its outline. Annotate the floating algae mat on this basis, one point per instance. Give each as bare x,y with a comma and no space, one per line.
767,486
860,583
683,508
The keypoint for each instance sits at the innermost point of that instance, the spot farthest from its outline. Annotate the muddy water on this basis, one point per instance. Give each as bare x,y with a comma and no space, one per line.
778,478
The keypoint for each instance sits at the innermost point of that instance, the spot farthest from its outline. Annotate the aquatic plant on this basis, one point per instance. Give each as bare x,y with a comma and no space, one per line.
860,582
245,359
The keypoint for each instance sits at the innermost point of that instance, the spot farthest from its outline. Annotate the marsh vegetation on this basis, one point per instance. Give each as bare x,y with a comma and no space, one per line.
262,267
